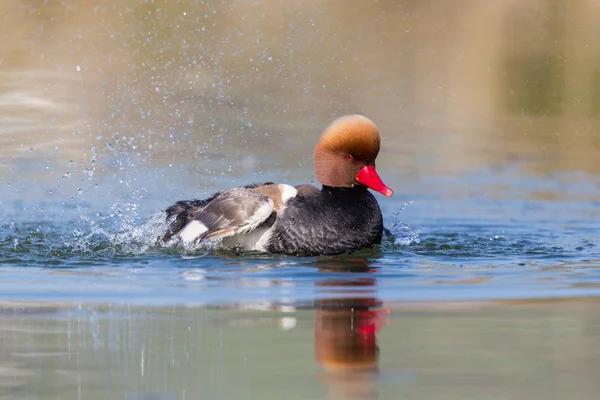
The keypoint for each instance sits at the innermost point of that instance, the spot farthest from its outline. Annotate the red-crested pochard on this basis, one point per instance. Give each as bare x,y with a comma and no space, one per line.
301,220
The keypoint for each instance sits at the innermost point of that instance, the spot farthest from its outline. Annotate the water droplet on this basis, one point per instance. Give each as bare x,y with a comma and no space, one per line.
287,323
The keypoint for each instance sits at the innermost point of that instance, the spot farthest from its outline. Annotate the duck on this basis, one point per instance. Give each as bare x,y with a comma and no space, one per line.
302,220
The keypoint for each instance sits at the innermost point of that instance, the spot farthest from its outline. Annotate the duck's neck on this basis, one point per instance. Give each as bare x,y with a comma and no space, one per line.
356,190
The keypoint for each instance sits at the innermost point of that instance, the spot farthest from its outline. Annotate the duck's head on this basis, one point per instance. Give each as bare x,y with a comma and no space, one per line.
346,152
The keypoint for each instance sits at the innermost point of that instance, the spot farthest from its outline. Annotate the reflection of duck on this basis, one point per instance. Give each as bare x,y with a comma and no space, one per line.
301,220
345,332
345,335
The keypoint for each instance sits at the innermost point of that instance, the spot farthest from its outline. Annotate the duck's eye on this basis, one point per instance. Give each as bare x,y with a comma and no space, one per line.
349,157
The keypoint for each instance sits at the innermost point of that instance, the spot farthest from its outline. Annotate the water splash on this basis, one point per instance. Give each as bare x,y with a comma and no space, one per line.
116,233
130,237
400,234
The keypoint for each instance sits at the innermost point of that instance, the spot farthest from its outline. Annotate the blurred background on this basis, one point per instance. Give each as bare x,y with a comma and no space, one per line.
211,88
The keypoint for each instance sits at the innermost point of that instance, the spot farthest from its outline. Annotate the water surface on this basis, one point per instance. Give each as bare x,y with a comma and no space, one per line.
489,117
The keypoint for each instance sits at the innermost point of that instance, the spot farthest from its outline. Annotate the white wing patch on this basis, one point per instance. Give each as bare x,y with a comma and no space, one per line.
287,192
192,232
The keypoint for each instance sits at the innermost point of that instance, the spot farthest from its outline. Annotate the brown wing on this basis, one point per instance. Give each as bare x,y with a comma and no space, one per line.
279,193
233,211
183,212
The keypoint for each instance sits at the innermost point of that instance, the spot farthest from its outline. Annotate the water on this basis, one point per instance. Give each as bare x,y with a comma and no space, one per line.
458,246
487,286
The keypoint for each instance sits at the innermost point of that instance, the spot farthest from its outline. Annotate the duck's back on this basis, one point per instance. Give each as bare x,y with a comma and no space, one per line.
328,221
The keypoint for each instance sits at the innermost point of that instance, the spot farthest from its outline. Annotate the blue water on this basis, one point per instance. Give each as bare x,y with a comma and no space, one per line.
481,235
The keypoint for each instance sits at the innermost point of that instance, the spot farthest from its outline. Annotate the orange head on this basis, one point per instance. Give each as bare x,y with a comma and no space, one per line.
346,152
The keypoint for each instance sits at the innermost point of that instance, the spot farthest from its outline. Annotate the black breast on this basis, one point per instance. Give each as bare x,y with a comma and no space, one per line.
330,221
